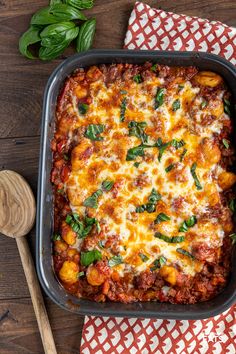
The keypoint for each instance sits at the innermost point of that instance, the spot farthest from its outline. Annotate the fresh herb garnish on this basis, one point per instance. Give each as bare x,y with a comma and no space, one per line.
136,164
227,106
83,108
233,237
56,237
66,157
193,172
123,92
60,190
185,253
137,78
115,261
143,257
232,205
159,99
158,263
176,105
154,67
190,222
226,143
89,257
173,239
161,217
93,131
150,207
107,185
82,227
177,143
81,274
180,87
162,147
169,168
183,154
92,201
135,152
137,129
101,244
204,103
123,109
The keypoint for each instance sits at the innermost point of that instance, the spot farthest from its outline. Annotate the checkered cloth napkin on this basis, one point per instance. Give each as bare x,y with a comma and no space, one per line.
156,29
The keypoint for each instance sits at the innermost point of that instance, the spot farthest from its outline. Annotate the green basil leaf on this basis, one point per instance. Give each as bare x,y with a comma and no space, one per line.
154,68
233,237
115,261
161,217
162,147
31,36
56,237
69,218
80,4
176,105
101,244
204,103
86,35
43,17
173,239
64,12
183,154
232,205
83,108
56,29
158,263
134,152
185,253
180,87
169,168
227,107
137,78
193,172
137,129
190,222
226,143
107,185
140,208
53,2
92,201
150,208
159,99
123,109
123,92
183,227
89,257
93,131
177,143
154,196
143,257
136,164
81,274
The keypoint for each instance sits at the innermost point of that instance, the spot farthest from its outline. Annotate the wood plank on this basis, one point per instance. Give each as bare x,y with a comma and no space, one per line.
19,332
23,81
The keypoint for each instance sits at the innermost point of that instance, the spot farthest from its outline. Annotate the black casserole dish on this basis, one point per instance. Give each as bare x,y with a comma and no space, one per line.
45,204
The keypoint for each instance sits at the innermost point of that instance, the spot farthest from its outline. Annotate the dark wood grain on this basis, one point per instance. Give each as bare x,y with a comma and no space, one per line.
21,90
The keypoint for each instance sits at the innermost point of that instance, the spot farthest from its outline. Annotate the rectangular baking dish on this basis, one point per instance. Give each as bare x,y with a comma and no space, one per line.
45,197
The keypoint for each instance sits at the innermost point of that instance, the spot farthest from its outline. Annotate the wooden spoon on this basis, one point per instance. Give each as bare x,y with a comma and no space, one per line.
17,216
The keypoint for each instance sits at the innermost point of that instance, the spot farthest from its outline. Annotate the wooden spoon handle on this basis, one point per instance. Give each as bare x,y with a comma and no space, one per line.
36,296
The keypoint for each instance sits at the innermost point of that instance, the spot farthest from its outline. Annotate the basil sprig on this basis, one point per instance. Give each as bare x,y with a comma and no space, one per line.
93,131
159,98
115,261
150,207
195,177
185,253
190,222
82,227
84,40
53,28
89,257
173,239
158,263
161,217
137,129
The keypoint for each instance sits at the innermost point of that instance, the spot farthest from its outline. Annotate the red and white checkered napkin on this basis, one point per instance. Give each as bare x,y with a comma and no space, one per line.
156,29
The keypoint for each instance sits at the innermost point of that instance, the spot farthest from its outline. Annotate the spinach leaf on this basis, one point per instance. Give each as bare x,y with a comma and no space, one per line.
137,129
89,257
93,131
195,177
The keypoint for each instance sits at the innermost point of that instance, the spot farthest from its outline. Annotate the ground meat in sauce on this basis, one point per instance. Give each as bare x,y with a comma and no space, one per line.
125,284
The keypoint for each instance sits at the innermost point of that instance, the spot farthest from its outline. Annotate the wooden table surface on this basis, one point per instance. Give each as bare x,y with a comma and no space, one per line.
22,84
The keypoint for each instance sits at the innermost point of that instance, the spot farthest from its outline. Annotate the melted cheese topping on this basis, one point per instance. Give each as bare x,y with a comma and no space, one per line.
180,199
